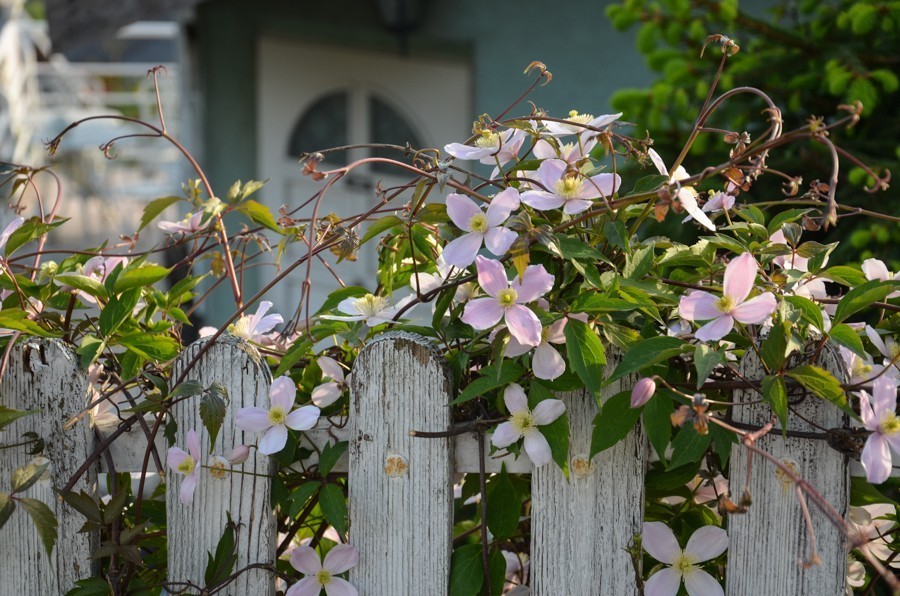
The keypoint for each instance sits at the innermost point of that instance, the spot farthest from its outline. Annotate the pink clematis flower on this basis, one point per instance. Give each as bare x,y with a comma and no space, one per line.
571,153
490,147
874,269
374,310
686,194
888,347
278,418
523,422
546,362
572,191
722,312
327,393
483,228
14,225
576,123
190,224
706,543
321,574
506,300
879,416
186,464
255,326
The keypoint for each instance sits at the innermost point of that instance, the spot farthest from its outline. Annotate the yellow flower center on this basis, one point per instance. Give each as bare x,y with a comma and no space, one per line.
487,140
725,304
507,297
890,424
217,469
277,415
187,466
478,223
522,421
370,304
323,576
574,116
569,187
683,563
860,368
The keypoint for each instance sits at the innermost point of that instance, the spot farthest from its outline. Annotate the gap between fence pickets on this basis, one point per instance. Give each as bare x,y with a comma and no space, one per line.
128,453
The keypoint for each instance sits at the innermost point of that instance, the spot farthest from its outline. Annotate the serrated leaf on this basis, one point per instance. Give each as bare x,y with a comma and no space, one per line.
330,455
613,422
688,446
775,393
186,389
84,504
154,208
847,337
586,354
379,226
432,213
520,254
86,284
647,352
44,522
25,477
118,310
774,348
220,566
259,214
862,296
638,264
509,372
92,586
648,184
616,234
705,360
213,406
8,415
822,383
143,275
808,310
17,320
334,506
159,348
504,506
591,302
32,229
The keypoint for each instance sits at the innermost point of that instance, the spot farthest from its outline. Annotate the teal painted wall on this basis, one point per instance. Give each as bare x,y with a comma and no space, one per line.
589,61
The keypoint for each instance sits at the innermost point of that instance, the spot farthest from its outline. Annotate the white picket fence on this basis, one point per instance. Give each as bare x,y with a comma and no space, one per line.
401,516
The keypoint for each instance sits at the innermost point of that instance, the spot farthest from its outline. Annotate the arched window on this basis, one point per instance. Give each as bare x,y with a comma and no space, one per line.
387,125
323,125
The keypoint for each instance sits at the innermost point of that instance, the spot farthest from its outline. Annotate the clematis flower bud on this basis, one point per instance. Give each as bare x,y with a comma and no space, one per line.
642,392
239,455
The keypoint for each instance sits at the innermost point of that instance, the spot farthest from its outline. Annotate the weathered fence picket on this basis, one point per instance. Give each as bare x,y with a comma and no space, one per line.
44,375
769,546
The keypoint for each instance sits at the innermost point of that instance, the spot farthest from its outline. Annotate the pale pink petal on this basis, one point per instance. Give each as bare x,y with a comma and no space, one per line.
601,185
502,206
302,418
514,348
550,171
460,151
547,411
707,543
515,399
876,458
305,560
193,444
186,494
266,324
574,206
461,209
537,448
876,340
557,332
865,412
14,225
535,283
350,306
543,149
282,393
341,558
756,310
252,419
875,269
239,455
642,392
498,240
505,435
689,201
340,587
660,542
274,440
174,457
542,200
172,227
326,394
547,363
343,318
482,313
699,583
330,368
461,251
697,305
884,394
308,586
523,324
664,582
715,329
658,162
740,274
604,119
491,275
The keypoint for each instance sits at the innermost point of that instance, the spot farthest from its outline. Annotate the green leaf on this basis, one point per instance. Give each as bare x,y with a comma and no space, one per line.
842,274
774,348
504,506
585,354
146,274
220,566
32,229
17,319
466,571
330,456
338,295
722,441
259,214
658,423
705,360
334,506
44,522
25,477
301,495
648,352
432,213
573,248
822,383
863,493
775,393
213,406
614,422
509,372
648,184
159,348
862,296
84,504
688,446
847,337
295,353
379,226
118,310
8,415
557,435
617,234
7,507
154,208
86,284
672,479
591,302
637,265
808,310
92,586
186,389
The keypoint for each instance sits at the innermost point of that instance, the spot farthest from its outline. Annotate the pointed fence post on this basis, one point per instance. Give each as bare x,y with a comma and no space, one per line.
44,375
580,527
195,530
769,544
401,502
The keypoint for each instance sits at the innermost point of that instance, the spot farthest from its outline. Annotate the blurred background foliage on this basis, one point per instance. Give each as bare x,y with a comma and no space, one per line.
809,56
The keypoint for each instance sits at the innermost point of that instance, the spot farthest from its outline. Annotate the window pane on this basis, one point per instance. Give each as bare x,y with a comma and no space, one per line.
322,126
386,125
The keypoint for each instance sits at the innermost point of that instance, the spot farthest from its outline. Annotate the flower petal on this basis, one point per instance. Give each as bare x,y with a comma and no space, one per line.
514,348
502,206
535,283
523,324
303,418
186,494
330,368
482,313
461,252
698,305
505,435
715,329
664,582
601,185
706,543
699,583
461,209
252,419
689,201
341,558
515,399
547,411
274,440
660,542
537,448
550,171
574,206
491,275
460,151
756,310
872,268
283,392
340,587
193,444
174,457
876,340
308,586
542,200
326,394
547,363
498,240
658,162
884,396
557,332
865,411
876,458
740,274
306,560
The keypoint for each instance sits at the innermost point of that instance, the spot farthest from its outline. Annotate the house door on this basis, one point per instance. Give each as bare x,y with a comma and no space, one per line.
313,97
